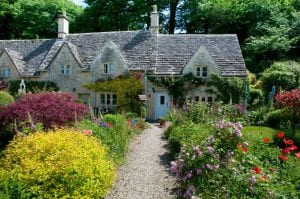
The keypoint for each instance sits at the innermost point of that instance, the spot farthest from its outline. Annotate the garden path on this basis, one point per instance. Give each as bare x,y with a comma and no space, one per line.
146,172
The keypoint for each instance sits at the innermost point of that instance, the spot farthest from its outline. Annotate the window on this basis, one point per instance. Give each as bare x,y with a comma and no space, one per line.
108,99
65,70
162,99
5,72
202,71
209,99
196,98
109,68
198,71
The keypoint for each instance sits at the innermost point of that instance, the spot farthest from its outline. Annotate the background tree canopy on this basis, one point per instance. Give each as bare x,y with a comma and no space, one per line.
268,30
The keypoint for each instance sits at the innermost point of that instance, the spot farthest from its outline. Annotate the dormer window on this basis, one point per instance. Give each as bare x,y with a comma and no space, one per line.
109,68
201,71
65,70
5,72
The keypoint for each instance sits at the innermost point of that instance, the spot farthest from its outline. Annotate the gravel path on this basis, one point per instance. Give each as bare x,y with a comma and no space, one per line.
146,174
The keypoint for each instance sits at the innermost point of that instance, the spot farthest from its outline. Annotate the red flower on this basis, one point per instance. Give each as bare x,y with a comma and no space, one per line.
280,135
283,157
297,155
245,149
288,142
293,148
285,151
266,140
264,177
257,170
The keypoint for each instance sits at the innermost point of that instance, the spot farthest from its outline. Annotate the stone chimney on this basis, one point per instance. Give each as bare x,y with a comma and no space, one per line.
63,25
154,27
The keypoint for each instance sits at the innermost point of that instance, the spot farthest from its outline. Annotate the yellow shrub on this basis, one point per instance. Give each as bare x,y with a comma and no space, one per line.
58,164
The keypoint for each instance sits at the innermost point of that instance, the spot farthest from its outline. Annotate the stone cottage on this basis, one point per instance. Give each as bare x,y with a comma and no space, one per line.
72,60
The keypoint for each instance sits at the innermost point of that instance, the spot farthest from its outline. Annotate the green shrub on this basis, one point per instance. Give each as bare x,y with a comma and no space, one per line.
32,86
116,137
278,119
5,98
62,163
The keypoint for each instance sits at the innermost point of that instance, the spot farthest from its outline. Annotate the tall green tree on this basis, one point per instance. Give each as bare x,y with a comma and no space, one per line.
6,18
38,18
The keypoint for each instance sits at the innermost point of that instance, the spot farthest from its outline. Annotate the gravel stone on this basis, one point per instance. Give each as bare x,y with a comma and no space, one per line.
146,173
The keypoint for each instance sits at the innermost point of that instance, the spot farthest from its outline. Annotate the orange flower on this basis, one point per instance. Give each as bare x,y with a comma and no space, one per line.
266,140
256,169
280,135
245,149
264,177
283,157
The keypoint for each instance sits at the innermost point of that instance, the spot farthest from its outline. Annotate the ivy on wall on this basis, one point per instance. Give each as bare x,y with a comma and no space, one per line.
127,88
178,87
233,88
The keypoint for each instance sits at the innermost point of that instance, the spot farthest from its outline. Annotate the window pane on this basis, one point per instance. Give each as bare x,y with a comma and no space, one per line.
197,98
102,98
162,100
8,72
210,99
203,99
114,101
198,71
108,99
68,70
105,68
62,69
204,72
112,68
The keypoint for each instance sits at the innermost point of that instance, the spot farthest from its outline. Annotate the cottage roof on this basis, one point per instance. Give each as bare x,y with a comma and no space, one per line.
164,54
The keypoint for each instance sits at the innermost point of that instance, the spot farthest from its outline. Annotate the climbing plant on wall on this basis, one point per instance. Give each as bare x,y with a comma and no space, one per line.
127,88
178,87
227,88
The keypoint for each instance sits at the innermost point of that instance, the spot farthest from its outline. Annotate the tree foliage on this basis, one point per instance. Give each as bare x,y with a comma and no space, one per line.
282,75
34,18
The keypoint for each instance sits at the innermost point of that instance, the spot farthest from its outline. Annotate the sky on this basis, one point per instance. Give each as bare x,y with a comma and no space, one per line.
79,2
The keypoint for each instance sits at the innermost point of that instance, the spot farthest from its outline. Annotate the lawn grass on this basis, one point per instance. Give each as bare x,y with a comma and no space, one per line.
260,131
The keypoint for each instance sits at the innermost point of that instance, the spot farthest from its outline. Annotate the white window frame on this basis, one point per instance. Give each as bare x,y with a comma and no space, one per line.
108,68
5,72
201,71
110,99
65,69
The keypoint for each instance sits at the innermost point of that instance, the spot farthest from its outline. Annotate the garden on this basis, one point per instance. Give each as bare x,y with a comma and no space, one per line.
53,146
244,150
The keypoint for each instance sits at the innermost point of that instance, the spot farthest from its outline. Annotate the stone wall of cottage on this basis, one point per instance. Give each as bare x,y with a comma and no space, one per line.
6,62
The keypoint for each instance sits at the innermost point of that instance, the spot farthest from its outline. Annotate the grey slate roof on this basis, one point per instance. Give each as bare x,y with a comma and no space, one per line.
164,54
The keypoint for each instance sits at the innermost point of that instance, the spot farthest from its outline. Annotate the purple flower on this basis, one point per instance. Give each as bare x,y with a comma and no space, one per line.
187,176
197,151
237,132
210,150
199,171
252,180
229,154
174,167
211,140
239,125
209,167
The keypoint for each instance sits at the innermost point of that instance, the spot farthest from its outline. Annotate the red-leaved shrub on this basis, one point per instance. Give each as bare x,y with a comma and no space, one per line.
50,108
